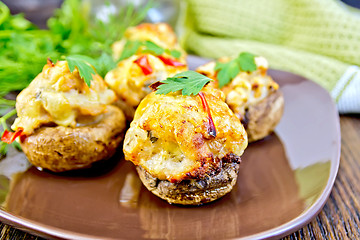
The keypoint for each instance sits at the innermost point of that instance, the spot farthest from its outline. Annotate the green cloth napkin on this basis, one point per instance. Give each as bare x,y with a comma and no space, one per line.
318,39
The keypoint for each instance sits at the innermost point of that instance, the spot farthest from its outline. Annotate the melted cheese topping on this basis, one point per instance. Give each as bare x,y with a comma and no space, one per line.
245,89
169,135
57,96
131,84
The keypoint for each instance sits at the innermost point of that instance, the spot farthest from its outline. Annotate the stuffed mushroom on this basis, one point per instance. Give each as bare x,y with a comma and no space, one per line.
148,53
253,96
63,123
186,148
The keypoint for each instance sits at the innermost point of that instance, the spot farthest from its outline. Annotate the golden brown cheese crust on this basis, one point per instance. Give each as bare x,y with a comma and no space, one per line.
169,136
255,98
57,96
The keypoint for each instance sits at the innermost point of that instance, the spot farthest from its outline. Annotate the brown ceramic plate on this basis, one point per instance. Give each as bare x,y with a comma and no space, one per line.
283,183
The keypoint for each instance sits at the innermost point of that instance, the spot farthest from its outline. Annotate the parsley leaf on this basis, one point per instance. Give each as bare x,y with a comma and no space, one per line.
189,82
153,48
175,53
104,64
132,47
247,62
83,64
227,71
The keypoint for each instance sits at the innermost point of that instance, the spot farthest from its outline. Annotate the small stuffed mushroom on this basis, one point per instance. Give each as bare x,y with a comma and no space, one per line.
254,97
64,123
148,53
186,148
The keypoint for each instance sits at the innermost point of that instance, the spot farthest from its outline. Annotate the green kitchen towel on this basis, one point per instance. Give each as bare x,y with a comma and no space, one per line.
318,39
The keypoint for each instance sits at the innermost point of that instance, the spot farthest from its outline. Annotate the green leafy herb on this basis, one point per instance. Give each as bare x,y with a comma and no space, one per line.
4,146
153,48
83,64
175,53
189,82
73,30
227,71
104,64
247,62
132,47
6,105
3,149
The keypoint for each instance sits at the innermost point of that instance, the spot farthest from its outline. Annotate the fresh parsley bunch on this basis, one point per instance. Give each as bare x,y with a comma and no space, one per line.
72,31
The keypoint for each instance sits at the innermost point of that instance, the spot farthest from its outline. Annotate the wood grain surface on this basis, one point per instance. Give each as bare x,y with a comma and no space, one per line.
340,217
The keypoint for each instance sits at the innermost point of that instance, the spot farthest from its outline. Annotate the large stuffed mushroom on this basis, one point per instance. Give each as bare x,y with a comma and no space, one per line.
186,148
254,97
63,124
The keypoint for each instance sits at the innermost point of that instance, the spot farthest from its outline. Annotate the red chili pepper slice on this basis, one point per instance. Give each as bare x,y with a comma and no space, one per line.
171,62
144,64
6,137
9,137
212,129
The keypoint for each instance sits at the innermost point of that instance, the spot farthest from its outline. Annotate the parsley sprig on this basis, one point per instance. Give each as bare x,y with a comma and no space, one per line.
189,82
84,65
132,47
227,71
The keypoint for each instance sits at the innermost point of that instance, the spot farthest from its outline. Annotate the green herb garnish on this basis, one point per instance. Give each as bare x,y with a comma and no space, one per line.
83,64
132,47
174,53
153,48
73,30
245,62
4,146
190,82
6,105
